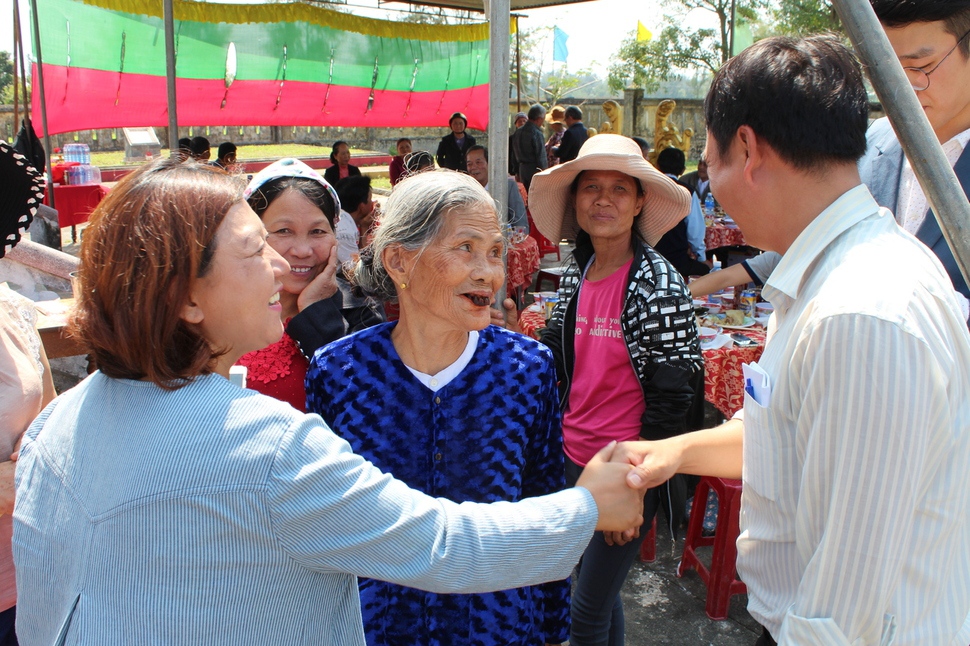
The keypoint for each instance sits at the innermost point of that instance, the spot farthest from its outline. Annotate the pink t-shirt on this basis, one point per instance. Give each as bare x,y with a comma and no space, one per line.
605,398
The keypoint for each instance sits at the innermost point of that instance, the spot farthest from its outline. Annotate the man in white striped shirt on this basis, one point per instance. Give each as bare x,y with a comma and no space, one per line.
854,441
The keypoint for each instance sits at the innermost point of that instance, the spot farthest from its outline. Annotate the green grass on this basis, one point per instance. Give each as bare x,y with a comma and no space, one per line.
381,182
243,153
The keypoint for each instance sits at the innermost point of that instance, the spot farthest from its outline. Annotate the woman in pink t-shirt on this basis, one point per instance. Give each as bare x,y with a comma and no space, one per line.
623,335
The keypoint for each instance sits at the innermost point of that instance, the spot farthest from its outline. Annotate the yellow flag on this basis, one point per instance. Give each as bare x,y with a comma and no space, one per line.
643,34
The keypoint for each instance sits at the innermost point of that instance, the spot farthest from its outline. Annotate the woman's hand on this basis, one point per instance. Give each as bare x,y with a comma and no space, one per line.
507,317
620,506
7,488
323,286
621,538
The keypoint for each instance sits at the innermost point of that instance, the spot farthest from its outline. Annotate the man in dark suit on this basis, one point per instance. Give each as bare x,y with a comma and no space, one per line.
454,145
697,180
930,37
529,146
574,137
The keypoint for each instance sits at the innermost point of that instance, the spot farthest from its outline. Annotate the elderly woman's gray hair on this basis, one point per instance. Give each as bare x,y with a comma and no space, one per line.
413,217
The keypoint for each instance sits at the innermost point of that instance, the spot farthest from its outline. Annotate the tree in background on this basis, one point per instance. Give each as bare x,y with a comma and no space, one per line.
678,46
800,17
542,80
6,78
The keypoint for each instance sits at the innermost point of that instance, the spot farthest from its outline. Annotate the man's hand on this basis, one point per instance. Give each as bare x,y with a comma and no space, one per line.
620,506
323,286
655,462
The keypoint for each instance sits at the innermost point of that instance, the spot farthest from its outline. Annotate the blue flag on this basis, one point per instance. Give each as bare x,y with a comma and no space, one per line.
559,50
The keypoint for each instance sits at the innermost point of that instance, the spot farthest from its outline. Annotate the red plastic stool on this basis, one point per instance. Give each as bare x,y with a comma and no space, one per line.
721,579
648,548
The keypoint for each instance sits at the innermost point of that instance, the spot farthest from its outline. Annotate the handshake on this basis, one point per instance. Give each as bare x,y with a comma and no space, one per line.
617,477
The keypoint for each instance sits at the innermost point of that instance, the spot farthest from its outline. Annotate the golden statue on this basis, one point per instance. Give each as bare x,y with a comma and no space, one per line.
614,113
591,132
666,134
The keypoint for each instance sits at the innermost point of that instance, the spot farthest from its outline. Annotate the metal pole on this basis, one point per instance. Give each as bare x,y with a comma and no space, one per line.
919,142
173,120
734,6
518,68
43,102
498,111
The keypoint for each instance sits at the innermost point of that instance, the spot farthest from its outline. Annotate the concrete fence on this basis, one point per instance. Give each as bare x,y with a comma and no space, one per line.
639,113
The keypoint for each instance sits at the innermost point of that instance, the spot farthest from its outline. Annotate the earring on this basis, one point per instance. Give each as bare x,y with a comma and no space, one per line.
404,285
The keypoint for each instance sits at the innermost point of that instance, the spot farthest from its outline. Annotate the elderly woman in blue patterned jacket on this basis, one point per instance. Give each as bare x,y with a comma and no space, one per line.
418,396
623,335
158,503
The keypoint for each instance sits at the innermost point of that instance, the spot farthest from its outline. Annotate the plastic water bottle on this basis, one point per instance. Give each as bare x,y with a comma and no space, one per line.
709,204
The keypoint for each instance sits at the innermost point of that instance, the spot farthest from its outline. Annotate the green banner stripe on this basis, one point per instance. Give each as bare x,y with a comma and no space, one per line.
80,35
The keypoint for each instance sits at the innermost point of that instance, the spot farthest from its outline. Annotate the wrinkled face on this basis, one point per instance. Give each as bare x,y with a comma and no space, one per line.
457,125
702,170
454,279
946,101
300,232
236,305
343,154
404,148
606,203
520,122
477,166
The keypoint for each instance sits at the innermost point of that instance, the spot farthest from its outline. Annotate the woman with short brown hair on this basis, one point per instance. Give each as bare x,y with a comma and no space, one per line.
159,503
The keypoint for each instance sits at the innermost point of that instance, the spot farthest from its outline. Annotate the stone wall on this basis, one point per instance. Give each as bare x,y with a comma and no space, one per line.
688,114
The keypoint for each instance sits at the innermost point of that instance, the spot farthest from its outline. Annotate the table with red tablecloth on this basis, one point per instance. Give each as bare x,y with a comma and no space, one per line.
720,235
523,262
723,376
530,322
75,203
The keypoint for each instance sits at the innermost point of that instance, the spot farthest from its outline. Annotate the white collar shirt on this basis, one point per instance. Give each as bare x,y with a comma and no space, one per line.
855,515
912,208
348,238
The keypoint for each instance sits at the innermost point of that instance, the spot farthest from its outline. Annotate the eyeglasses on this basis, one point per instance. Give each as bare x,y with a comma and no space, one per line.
921,76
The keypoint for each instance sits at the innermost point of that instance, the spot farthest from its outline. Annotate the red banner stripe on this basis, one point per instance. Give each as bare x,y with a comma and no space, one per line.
141,100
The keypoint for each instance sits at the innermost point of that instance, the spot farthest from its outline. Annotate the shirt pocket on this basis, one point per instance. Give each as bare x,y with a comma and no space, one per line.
766,452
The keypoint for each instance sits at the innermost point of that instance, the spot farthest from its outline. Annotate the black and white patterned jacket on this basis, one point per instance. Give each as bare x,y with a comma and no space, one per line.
659,330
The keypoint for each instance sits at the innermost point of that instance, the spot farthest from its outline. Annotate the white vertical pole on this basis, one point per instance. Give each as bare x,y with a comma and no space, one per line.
498,109
173,120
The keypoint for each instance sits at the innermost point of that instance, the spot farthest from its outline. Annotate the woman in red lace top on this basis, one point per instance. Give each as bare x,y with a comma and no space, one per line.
297,207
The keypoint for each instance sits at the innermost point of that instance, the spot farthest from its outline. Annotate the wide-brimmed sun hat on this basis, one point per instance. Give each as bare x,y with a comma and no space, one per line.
23,191
551,203
556,114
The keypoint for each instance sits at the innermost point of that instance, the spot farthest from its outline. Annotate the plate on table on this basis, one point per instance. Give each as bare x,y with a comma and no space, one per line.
748,322
718,320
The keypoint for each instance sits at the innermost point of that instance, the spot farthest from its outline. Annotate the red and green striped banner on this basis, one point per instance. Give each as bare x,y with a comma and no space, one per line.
268,64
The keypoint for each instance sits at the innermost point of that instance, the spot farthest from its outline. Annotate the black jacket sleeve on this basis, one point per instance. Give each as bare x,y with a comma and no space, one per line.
318,325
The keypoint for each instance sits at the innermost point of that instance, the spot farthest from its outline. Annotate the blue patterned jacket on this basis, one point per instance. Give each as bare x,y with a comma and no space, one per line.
494,433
